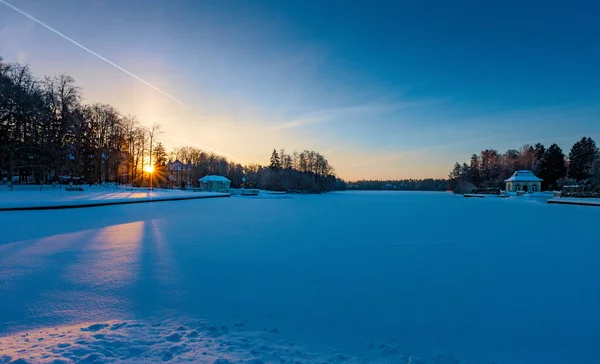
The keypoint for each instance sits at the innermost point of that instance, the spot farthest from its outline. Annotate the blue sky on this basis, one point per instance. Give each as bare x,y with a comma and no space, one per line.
397,89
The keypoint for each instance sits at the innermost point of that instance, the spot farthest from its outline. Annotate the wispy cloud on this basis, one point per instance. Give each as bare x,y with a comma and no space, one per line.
327,115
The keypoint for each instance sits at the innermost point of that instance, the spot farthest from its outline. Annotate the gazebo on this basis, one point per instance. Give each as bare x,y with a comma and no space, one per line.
215,183
523,181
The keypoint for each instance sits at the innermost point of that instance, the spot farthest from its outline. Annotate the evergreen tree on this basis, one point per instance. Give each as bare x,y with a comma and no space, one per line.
275,161
540,153
553,166
455,173
454,176
474,169
159,155
581,159
491,173
465,172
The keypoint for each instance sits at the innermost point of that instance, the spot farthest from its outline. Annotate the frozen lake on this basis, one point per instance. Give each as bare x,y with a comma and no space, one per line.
373,275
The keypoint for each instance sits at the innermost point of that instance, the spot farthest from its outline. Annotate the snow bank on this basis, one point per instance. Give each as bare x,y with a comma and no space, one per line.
50,196
575,201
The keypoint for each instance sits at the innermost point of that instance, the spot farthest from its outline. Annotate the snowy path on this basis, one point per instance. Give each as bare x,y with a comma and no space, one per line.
358,277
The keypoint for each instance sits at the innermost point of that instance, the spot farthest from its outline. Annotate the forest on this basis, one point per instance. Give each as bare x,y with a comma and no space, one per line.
49,135
489,169
428,184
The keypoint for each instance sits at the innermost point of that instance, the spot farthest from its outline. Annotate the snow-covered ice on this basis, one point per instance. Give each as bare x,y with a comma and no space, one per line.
361,277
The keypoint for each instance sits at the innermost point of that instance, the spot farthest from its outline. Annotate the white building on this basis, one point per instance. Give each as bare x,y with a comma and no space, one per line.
215,183
524,181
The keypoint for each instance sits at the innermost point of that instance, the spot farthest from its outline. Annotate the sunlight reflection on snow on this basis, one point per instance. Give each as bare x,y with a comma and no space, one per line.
120,195
113,255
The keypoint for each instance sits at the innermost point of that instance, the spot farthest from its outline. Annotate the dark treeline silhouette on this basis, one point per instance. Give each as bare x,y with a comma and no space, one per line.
428,184
46,132
307,171
48,135
489,169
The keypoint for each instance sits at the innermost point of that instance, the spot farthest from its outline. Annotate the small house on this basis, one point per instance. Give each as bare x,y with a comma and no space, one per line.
524,181
215,183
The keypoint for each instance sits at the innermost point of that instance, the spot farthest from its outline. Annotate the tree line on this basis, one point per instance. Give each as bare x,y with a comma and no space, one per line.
47,134
489,169
306,171
428,184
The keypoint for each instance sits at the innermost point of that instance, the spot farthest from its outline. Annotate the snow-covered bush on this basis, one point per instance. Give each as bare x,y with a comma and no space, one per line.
463,187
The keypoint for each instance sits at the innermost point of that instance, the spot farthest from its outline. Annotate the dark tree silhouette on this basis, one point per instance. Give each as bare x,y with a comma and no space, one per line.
581,159
553,167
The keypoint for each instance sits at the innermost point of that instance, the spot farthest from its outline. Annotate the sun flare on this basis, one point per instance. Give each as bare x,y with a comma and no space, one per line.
149,169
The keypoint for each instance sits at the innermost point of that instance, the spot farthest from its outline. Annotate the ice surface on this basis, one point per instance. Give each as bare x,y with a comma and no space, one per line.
395,277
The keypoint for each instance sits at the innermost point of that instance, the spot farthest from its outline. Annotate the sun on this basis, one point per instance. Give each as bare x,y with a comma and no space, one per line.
149,169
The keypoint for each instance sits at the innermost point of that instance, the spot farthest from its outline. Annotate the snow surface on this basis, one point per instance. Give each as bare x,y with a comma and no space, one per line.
31,196
390,277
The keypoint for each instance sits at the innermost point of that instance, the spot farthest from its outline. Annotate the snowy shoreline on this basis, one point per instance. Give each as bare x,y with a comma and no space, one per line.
575,201
55,198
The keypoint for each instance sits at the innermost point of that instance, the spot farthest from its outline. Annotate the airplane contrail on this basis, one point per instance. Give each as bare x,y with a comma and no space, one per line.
94,53
120,68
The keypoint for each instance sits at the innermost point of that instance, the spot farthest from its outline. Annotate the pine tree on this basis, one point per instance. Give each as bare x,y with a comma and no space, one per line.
159,157
454,176
465,172
581,159
275,161
553,166
540,153
474,168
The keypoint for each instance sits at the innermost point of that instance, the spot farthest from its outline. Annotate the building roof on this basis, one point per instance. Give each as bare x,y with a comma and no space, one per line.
523,176
213,178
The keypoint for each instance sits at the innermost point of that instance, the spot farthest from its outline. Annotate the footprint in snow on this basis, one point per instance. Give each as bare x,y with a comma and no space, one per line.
173,338
91,358
94,327
118,326
193,334
19,361
166,356
222,361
